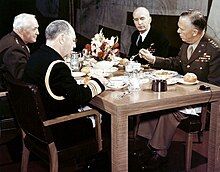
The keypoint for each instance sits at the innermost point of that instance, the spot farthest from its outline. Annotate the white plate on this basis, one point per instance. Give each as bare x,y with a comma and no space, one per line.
104,65
111,86
119,78
187,83
171,81
144,80
116,60
102,72
78,74
164,74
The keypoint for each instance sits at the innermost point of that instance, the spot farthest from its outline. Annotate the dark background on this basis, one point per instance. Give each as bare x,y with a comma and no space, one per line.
10,8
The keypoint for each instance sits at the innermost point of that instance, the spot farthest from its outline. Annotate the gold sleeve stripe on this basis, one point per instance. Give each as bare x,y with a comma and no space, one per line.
94,87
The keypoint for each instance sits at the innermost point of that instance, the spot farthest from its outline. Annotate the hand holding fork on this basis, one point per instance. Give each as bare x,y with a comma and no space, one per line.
150,49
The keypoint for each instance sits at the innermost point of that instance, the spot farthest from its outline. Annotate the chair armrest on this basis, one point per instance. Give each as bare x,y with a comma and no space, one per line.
71,117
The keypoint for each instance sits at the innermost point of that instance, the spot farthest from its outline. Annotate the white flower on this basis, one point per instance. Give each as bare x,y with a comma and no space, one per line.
102,47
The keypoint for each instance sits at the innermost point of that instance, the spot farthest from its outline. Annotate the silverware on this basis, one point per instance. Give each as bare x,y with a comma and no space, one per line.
150,49
132,57
125,93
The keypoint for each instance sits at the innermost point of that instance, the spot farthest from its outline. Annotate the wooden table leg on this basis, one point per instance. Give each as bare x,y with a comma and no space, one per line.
214,139
119,143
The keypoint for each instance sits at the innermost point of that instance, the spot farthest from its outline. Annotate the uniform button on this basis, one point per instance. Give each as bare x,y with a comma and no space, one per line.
200,68
188,66
199,51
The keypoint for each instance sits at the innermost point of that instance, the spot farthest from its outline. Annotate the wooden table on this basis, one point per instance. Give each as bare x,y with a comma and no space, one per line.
121,107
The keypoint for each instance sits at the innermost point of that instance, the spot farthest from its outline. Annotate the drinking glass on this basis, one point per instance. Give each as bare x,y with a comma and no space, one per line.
75,62
134,82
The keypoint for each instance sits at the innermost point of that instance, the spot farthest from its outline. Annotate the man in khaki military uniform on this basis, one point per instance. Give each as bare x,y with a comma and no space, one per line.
198,54
14,51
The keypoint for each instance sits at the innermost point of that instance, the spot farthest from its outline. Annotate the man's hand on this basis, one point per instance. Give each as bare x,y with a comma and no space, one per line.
145,54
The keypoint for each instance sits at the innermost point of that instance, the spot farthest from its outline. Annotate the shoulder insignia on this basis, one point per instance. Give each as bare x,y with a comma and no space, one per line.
213,43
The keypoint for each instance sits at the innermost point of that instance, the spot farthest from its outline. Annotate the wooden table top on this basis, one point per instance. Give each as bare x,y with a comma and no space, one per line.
146,100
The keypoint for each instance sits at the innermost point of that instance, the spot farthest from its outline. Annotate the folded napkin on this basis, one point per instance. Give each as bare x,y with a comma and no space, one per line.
85,108
191,110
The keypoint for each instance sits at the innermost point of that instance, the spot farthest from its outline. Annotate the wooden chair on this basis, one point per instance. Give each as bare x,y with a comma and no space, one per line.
37,130
9,131
192,126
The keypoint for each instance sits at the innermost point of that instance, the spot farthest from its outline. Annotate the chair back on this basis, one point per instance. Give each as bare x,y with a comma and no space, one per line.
27,105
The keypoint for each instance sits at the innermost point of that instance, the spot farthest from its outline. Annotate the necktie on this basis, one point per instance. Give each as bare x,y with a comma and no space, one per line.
139,41
189,51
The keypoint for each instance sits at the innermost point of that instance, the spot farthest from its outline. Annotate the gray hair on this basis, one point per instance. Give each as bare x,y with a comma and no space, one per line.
57,27
197,18
22,21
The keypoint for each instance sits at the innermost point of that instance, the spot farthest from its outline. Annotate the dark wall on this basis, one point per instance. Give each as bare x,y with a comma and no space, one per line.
10,8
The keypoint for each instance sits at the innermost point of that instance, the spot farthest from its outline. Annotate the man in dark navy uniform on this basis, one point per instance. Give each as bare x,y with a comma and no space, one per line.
146,37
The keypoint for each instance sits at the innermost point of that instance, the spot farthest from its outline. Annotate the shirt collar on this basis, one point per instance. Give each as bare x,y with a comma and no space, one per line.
197,42
143,35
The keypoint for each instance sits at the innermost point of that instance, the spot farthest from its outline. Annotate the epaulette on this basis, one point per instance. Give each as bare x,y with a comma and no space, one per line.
213,43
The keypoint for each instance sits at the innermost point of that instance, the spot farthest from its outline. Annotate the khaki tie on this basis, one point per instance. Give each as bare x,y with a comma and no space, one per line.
189,51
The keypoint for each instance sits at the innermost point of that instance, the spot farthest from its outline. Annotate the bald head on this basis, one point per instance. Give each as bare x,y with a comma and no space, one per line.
142,19
141,10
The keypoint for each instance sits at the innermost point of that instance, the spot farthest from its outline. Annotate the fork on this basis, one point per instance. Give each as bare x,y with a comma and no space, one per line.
132,57
124,94
150,49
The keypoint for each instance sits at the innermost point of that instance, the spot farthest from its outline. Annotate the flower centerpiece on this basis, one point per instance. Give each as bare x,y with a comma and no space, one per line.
102,48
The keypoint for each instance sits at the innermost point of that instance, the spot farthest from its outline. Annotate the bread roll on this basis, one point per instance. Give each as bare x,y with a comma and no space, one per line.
85,69
123,61
190,77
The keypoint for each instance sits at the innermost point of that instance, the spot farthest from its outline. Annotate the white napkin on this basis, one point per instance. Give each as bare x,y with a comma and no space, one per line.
85,108
191,111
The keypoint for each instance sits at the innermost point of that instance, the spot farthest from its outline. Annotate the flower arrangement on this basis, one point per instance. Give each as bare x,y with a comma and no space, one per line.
103,48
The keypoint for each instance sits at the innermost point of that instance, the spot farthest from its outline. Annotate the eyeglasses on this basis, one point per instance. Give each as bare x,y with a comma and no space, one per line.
142,19
75,40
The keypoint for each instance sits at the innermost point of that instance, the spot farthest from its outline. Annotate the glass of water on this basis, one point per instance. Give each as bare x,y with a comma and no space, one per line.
75,62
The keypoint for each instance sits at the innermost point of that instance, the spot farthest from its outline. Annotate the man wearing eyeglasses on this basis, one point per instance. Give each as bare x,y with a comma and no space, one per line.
48,70
146,37
59,89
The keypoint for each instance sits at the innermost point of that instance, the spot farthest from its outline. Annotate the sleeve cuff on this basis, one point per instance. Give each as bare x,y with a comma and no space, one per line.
96,87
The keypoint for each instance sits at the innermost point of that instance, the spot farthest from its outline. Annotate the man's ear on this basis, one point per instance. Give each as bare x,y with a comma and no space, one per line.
61,39
195,32
150,19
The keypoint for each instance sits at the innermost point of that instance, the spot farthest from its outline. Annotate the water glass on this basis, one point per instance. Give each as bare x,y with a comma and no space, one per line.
75,63
134,83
